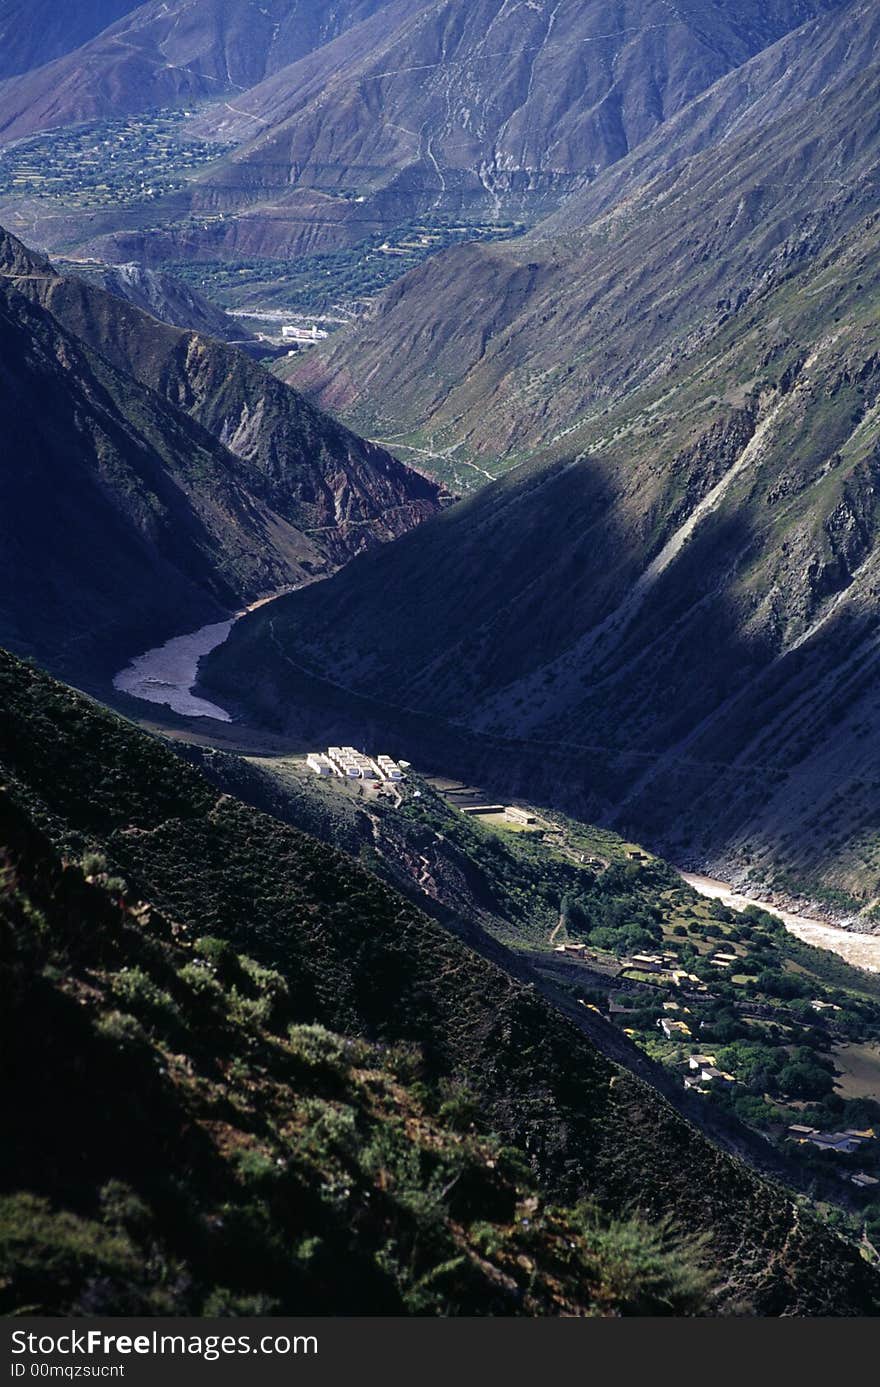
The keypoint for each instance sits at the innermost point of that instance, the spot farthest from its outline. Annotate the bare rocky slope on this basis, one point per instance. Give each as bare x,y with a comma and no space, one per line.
163,53
471,106
163,297
351,120
124,517
487,353
670,612
34,32
343,492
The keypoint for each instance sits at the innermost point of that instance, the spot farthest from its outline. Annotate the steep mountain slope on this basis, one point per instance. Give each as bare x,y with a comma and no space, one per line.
484,110
479,106
124,519
163,54
674,609
163,297
343,492
121,520
489,352
357,958
34,32
244,1121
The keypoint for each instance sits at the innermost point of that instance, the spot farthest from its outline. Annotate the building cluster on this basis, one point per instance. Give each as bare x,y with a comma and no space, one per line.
723,960
349,764
845,1143
305,336
665,970
674,1030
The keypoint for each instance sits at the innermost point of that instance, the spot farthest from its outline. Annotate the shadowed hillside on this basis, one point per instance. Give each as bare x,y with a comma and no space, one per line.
669,611
355,957
154,479
231,1160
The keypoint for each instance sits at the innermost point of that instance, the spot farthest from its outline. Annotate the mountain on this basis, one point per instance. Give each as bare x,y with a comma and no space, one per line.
163,297
34,32
192,1227
667,617
159,54
487,353
309,1055
381,114
343,492
124,519
473,107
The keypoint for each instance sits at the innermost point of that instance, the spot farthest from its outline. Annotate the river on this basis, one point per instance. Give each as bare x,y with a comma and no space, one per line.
167,674
863,950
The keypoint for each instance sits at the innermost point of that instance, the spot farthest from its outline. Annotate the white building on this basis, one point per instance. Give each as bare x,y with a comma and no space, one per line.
389,769
305,335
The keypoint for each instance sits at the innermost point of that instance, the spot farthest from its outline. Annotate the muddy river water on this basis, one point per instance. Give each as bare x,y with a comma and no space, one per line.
863,950
167,674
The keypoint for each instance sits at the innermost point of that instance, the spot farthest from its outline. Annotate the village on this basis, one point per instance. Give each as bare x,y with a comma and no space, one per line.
710,999
700,1071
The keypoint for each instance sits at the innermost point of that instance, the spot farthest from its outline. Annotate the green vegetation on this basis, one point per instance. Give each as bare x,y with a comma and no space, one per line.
346,278
319,1173
779,1020
130,162
781,1017
156,1013
537,879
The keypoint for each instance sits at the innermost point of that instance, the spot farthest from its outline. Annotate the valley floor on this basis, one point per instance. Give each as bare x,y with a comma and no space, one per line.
862,950
167,677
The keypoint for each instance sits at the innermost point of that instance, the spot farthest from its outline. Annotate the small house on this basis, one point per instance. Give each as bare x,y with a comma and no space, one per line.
674,1030
711,1075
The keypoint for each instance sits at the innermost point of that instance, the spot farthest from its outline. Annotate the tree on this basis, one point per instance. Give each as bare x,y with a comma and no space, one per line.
802,1080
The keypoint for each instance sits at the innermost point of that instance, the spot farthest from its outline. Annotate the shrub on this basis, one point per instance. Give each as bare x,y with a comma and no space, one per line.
318,1048
255,1167
274,992
51,1262
139,994
650,1269
459,1106
122,1030
200,979
122,1207
329,1130
93,864
221,956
